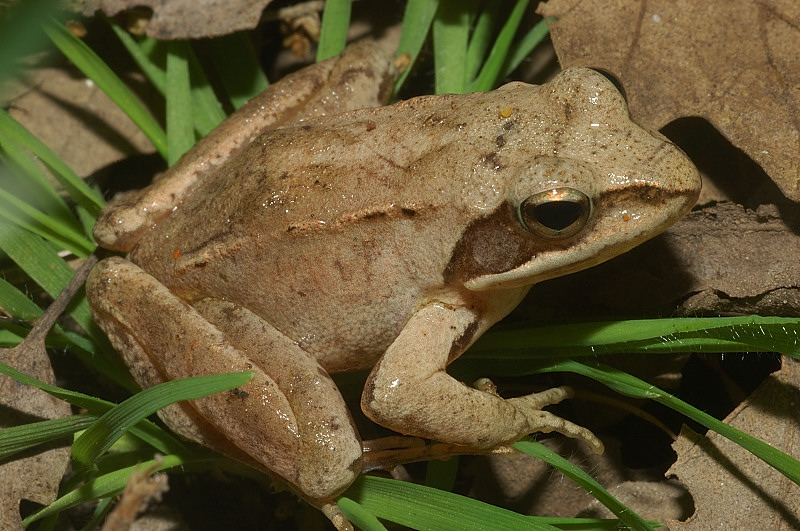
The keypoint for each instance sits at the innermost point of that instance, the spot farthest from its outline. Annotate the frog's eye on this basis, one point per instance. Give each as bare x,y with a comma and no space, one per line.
556,214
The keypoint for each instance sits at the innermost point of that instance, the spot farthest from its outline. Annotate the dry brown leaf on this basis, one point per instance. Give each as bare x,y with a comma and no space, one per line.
188,19
35,476
739,261
530,486
736,64
658,501
732,488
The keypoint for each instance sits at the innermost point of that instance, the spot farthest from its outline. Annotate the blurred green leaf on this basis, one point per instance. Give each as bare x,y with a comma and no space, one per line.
417,21
490,72
95,69
333,34
180,121
451,27
239,69
20,33
13,131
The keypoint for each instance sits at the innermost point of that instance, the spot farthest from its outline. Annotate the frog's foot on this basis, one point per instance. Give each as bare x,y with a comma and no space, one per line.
410,392
289,420
336,516
544,421
389,452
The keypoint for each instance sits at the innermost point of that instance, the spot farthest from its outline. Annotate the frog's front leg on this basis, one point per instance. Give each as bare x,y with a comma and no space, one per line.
410,391
289,420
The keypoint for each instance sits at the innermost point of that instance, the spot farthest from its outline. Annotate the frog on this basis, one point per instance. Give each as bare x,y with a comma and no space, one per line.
302,239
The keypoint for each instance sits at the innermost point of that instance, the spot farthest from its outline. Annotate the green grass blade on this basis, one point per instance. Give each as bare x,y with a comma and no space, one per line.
587,483
86,219
18,438
14,303
333,35
180,123
711,334
451,27
19,212
417,21
207,112
154,73
113,424
144,430
521,48
13,131
481,38
493,65
36,258
90,403
358,515
631,386
40,262
23,310
95,69
20,33
237,65
11,338
26,181
84,347
420,507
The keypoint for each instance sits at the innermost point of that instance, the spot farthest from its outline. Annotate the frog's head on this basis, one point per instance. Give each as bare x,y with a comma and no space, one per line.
603,186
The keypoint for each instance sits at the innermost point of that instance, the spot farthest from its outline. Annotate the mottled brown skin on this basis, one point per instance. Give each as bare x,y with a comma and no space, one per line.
386,238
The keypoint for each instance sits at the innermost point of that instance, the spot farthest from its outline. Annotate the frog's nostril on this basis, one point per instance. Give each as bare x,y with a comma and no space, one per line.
555,214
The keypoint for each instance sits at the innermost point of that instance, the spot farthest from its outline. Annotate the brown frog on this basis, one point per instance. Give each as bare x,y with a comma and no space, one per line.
387,238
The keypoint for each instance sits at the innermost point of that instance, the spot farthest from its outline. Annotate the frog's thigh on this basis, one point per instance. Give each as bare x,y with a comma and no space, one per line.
410,392
292,419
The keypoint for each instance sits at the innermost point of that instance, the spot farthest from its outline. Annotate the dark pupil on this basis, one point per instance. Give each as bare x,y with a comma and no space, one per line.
557,215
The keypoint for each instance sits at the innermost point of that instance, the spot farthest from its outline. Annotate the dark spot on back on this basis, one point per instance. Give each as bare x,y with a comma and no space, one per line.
433,119
492,160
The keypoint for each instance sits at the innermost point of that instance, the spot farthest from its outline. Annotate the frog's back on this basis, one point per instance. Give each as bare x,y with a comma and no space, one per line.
340,218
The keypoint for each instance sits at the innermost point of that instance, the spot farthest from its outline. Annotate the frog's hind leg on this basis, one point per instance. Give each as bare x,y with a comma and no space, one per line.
289,419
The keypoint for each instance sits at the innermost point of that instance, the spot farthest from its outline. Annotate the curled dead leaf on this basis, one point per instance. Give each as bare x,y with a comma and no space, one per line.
733,63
